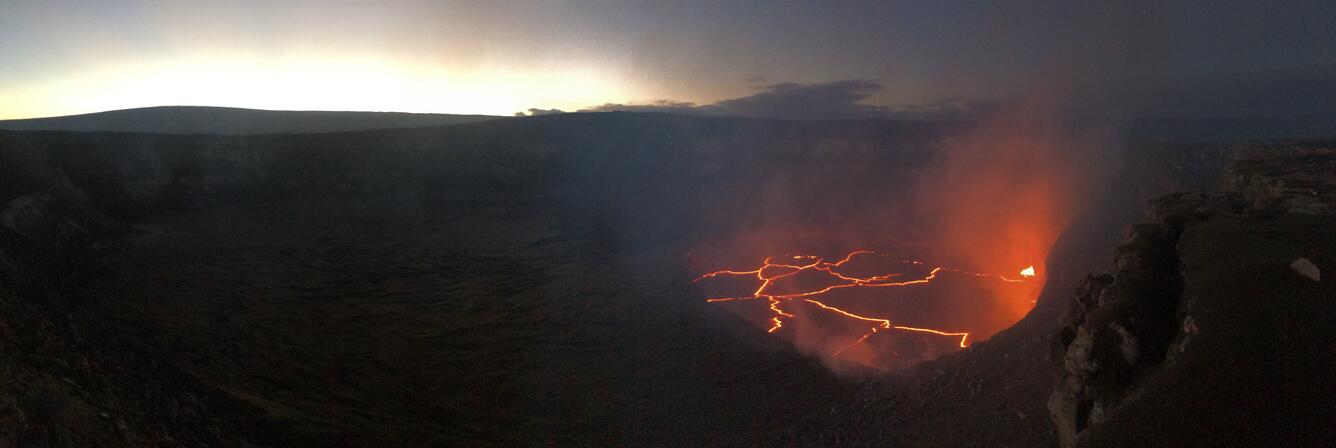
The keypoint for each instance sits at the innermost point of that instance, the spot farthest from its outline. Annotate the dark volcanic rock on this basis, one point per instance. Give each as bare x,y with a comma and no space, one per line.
1290,178
1142,349
1117,327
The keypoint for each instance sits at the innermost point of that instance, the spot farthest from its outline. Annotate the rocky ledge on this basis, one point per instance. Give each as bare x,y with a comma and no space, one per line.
1215,326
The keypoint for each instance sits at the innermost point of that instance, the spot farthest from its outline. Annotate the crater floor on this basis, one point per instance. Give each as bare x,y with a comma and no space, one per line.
375,323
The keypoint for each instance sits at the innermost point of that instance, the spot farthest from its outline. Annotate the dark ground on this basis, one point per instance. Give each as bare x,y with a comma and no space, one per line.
510,322
1259,370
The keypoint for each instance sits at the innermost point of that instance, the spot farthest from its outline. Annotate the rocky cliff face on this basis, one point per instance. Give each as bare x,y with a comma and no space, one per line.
1145,346
1282,178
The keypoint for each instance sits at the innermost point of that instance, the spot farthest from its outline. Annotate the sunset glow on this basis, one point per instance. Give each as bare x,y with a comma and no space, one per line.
312,83
67,57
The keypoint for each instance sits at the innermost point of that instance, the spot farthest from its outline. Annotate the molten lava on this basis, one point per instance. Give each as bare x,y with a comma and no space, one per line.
785,283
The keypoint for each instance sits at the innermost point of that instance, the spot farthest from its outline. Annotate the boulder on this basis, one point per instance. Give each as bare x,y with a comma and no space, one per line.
1307,269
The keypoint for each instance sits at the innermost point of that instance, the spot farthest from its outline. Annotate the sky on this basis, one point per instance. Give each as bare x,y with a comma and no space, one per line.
787,59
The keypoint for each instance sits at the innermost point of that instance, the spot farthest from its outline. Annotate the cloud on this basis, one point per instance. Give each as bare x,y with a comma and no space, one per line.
533,112
791,101
665,106
838,100
1305,92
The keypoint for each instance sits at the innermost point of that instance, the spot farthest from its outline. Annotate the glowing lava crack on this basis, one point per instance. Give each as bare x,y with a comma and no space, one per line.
772,270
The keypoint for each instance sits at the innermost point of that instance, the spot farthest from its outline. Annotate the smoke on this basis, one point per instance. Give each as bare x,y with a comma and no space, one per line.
1002,193
982,201
991,195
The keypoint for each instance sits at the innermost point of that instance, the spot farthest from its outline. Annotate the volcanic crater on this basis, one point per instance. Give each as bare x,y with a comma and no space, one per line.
600,278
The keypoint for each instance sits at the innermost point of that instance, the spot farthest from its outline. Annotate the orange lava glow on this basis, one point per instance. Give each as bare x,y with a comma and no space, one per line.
959,242
836,275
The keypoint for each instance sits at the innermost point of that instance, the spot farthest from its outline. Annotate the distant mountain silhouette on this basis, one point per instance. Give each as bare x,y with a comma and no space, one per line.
234,121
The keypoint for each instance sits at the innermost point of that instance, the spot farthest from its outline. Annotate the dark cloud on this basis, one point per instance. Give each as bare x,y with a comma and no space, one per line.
664,106
791,101
533,111
1305,92
839,100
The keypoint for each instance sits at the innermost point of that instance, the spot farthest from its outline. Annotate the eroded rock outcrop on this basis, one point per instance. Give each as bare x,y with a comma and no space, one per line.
1285,178
1123,327
1118,326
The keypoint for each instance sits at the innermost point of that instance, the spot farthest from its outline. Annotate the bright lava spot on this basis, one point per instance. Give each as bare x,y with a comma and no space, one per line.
1028,272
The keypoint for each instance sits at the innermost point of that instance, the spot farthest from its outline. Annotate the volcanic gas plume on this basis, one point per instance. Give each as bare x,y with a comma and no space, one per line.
982,216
